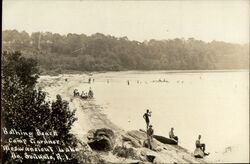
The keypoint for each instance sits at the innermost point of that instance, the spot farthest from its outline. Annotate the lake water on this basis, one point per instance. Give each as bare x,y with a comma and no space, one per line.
214,104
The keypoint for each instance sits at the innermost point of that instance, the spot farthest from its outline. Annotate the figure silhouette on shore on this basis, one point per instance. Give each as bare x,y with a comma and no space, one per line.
90,93
200,145
146,117
150,133
171,135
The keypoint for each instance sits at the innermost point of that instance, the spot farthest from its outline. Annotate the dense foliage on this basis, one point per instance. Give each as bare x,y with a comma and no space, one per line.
104,52
24,108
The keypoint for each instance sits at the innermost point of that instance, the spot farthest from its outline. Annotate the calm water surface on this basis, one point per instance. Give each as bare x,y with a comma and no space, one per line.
213,104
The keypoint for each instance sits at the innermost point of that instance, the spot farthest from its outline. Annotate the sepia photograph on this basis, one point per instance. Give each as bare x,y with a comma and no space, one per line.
125,81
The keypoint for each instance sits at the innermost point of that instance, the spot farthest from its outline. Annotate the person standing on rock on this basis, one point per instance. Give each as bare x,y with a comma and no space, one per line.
150,133
146,117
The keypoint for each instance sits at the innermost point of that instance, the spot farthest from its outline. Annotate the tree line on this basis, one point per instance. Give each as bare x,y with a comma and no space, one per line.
99,52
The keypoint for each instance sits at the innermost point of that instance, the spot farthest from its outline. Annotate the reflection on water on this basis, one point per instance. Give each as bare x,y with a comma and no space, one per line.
213,104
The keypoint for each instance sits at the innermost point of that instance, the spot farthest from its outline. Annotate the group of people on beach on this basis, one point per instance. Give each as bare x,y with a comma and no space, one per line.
84,95
150,134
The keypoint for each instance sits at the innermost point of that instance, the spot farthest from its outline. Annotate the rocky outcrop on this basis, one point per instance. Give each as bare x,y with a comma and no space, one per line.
110,145
101,139
136,144
132,147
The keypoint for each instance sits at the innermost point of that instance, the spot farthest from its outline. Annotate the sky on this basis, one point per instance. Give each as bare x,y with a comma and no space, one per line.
207,20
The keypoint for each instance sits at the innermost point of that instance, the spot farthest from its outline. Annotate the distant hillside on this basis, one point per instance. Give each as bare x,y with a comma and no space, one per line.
100,52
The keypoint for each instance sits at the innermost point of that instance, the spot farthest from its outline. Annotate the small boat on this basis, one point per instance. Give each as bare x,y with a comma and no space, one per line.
165,140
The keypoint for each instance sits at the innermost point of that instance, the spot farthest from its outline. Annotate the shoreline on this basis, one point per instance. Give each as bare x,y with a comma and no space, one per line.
90,73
